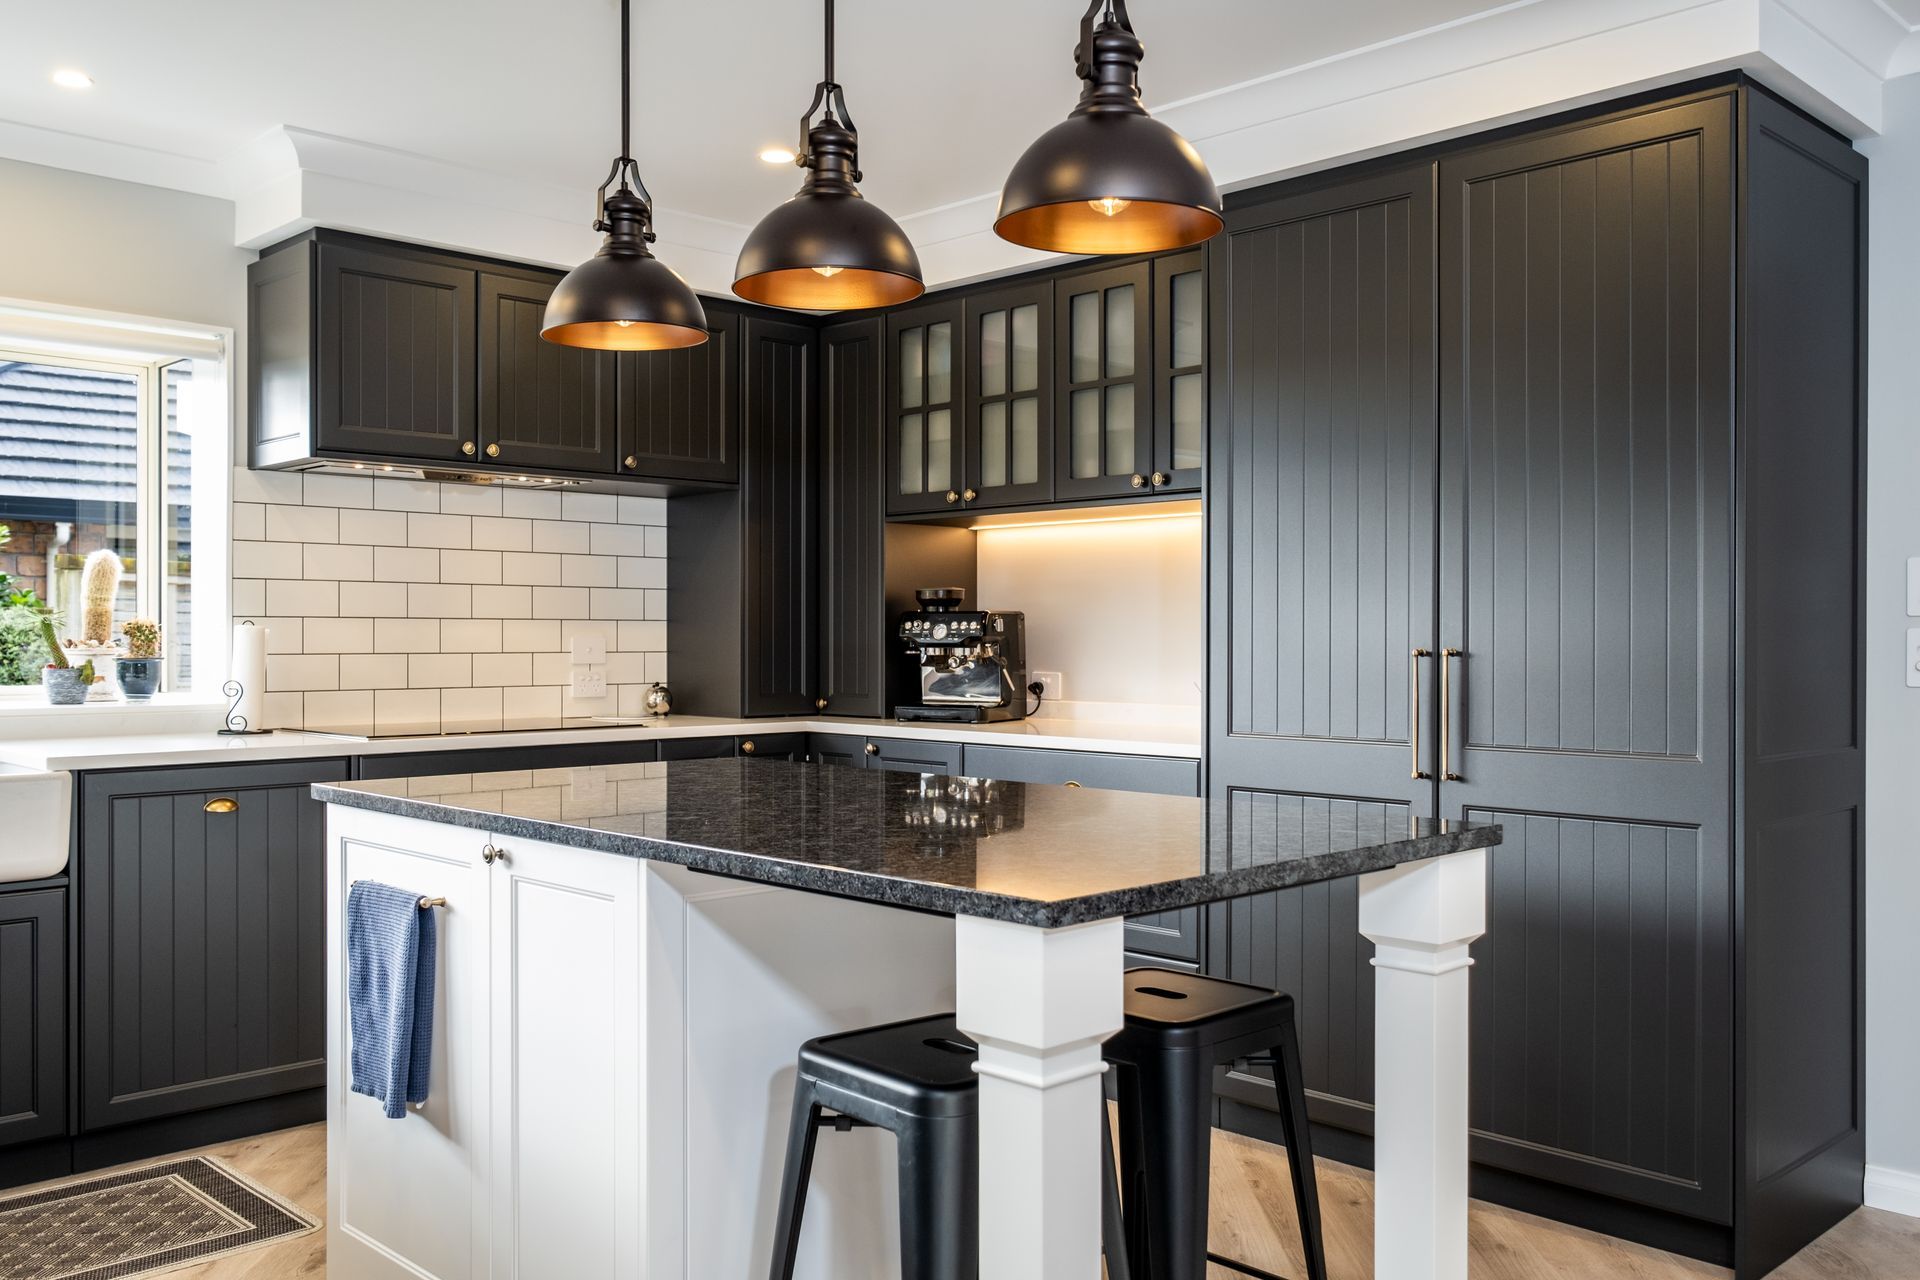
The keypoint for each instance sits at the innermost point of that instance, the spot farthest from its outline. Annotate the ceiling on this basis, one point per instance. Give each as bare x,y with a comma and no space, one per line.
946,94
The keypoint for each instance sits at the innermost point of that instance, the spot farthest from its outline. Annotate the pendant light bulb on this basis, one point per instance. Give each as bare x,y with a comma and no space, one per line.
828,248
1109,178
623,298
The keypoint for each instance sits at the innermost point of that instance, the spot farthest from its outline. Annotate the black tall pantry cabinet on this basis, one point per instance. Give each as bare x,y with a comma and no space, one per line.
1537,497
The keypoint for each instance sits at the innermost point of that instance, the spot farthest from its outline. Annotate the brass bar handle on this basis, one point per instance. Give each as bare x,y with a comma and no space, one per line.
1446,713
221,804
1413,707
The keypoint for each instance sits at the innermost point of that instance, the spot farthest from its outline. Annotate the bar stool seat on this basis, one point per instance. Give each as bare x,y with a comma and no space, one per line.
1179,1028
916,1079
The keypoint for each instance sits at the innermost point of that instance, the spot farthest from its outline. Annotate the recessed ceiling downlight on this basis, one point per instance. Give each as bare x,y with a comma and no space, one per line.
777,155
68,78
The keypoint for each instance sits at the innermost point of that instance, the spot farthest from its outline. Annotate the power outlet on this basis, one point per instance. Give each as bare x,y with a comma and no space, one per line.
1053,687
589,684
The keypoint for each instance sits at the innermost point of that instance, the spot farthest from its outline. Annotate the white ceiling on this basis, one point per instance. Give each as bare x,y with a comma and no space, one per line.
946,92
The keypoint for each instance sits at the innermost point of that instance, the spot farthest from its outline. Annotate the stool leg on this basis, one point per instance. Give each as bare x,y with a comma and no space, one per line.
939,1198
1171,1165
1291,1083
1113,1226
801,1132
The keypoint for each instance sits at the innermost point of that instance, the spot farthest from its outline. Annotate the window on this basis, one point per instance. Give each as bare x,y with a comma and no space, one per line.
110,454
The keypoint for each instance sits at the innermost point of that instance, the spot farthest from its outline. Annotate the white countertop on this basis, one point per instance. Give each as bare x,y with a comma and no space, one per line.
155,750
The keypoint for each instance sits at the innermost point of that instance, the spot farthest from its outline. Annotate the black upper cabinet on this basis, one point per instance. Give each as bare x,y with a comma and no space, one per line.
679,410
923,400
1008,389
394,354
542,406
1103,445
854,644
1179,371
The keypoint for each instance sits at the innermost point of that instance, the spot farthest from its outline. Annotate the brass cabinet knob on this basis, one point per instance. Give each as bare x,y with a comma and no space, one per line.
1139,481
1161,477
952,496
873,748
746,748
466,447
631,461
221,804
493,451
491,855
969,495
819,704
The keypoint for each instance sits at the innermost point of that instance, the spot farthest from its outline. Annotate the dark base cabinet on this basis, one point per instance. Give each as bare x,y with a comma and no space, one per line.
202,954
1621,530
33,1016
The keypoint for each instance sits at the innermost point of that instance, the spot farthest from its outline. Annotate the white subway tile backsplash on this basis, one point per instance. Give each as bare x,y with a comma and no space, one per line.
562,536
325,560
414,606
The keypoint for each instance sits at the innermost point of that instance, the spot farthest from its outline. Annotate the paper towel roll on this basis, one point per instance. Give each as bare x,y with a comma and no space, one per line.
247,684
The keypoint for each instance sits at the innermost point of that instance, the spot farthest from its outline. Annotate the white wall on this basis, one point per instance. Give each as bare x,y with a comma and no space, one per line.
1117,607
1893,710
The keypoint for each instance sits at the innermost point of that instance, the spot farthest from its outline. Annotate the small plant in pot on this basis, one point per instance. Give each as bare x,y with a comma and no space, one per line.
66,684
139,668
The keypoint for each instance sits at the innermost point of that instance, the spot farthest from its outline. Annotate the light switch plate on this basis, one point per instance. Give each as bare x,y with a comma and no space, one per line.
589,684
1913,586
1913,657
589,648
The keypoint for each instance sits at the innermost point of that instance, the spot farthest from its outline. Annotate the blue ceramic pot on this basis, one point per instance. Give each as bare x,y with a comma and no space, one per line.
139,677
64,686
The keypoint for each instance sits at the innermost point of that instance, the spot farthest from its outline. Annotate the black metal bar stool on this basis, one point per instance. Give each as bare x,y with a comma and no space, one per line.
1179,1027
916,1079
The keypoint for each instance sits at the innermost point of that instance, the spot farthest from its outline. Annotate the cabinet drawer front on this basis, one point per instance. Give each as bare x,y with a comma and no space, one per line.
1161,775
33,1015
422,764
907,756
202,978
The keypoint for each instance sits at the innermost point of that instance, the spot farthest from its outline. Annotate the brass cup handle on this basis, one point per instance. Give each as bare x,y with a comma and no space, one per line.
493,451
466,447
1072,783
1413,707
220,804
1160,478
1138,481
873,748
968,494
490,855
746,748
952,496
1446,713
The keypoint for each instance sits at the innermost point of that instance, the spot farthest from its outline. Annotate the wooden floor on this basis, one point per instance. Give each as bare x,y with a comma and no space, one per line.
1252,1221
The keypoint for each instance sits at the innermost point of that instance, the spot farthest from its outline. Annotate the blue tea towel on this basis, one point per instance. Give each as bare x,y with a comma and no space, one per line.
391,941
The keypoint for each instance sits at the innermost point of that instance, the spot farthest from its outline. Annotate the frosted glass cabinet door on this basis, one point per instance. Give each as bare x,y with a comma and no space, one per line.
1179,371
925,346
1105,394
1009,395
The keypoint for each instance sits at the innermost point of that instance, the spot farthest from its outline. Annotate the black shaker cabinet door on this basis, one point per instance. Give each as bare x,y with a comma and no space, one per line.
1586,543
33,1015
395,354
542,405
679,411
202,954
779,527
854,645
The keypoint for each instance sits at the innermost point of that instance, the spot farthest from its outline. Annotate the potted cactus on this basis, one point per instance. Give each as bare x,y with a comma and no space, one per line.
138,670
66,684
99,583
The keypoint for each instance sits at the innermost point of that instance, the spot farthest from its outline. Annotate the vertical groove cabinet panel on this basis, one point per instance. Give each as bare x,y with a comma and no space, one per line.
926,352
542,405
1586,547
854,645
201,946
679,410
33,1015
1008,396
394,354
780,519
1179,371
1103,351
1322,510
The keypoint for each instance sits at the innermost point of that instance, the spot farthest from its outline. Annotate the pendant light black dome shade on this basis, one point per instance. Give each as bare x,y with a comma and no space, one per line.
1109,178
828,248
623,298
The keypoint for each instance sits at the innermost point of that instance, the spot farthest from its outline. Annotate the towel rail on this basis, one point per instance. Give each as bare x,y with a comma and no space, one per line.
425,903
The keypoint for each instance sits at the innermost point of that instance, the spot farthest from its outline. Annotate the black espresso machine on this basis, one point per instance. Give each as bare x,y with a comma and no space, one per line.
972,662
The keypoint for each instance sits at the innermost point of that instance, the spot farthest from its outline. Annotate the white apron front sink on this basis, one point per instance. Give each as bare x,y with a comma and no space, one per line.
39,809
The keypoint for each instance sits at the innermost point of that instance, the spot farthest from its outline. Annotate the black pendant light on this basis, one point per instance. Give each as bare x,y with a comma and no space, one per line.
828,248
1109,178
623,298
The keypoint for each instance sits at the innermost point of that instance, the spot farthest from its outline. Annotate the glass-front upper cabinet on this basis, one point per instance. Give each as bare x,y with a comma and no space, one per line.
1179,374
923,408
1009,420
1102,323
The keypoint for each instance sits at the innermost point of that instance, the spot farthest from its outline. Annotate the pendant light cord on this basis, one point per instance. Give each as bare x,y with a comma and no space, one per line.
626,80
830,41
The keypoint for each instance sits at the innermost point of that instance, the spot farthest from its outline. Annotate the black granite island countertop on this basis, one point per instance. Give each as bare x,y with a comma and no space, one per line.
1032,854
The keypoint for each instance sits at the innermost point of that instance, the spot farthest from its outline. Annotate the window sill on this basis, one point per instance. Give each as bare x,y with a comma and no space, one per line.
29,715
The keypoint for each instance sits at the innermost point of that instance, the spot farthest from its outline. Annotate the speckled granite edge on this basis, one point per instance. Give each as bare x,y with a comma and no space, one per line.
1214,886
